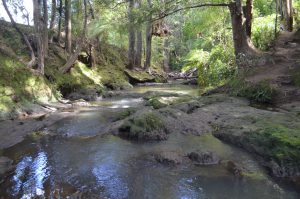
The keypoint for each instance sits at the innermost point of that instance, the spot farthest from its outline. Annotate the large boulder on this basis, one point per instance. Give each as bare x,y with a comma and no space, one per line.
137,76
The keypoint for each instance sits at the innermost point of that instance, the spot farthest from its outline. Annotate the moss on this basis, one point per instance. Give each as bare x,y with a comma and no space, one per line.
148,126
277,142
156,103
139,76
36,135
254,176
124,114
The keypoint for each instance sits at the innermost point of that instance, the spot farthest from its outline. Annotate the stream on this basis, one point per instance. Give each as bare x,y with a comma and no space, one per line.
83,163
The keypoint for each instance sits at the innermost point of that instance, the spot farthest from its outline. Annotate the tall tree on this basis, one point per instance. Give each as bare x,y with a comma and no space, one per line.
68,24
242,43
148,38
39,26
287,10
248,11
23,36
45,27
166,54
60,9
139,41
81,41
131,35
53,19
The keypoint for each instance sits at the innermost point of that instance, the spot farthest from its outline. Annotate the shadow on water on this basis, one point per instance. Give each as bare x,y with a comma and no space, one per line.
109,167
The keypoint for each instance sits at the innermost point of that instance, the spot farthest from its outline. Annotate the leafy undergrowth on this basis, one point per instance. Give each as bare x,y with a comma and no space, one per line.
262,92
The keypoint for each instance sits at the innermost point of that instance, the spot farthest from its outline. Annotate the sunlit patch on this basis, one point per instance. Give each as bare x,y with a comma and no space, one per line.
107,175
36,172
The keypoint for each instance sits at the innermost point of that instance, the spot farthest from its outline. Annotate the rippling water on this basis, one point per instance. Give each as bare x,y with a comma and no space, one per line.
110,167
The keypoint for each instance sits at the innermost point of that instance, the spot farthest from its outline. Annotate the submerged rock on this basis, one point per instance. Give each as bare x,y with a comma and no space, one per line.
5,164
235,169
204,158
170,158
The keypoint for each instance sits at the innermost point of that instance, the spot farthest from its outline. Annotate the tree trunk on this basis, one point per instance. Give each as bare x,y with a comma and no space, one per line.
139,42
248,11
39,26
166,54
131,36
45,27
287,9
148,39
60,19
23,36
68,24
74,56
242,43
53,19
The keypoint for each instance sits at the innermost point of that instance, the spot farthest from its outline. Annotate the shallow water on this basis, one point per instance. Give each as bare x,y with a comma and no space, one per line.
106,166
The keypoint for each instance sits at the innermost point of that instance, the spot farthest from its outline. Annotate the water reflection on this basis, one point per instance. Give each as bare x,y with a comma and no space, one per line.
30,176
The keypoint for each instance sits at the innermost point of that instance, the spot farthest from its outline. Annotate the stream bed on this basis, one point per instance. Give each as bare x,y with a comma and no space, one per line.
80,162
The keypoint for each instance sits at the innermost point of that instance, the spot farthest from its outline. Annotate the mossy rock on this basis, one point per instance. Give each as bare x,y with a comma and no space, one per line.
139,76
148,126
124,114
156,103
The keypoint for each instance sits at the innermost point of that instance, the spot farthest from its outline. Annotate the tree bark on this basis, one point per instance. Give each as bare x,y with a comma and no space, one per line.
53,19
248,11
242,43
131,36
166,54
148,40
287,9
139,42
60,19
39,26
23,36
68,28
74,56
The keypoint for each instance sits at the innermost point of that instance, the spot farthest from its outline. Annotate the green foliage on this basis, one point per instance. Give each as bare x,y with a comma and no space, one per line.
213,67
262,92
263,31
156,103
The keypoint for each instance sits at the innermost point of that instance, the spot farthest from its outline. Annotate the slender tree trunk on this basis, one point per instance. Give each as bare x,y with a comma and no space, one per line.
60,19
53,19
139,42
166,54
45,27
38,25
74,56
287,9
242,43
24,37
68,24
131,36
248,11
148,39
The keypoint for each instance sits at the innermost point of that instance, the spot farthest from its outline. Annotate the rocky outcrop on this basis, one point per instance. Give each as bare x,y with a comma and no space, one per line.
139,76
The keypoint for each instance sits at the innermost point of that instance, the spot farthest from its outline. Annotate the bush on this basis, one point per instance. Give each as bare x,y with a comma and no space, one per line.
263,34
213,67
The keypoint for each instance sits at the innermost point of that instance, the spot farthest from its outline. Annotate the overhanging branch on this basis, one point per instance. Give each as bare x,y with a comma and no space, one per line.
191,7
